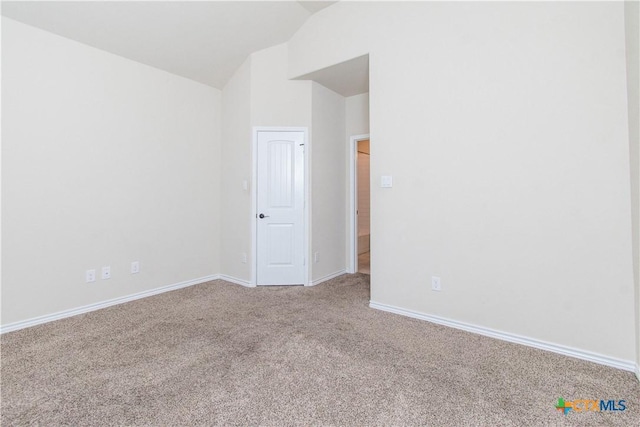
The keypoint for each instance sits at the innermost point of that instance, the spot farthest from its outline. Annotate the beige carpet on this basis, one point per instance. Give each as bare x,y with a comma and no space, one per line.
220,354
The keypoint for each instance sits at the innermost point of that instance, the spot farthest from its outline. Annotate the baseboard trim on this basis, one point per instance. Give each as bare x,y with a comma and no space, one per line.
625,365
104,304
237,281
638,372
327,277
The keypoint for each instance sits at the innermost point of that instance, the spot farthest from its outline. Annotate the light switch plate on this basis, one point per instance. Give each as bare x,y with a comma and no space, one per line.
386,181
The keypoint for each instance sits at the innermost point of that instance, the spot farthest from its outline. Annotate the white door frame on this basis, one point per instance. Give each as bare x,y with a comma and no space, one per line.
353,200
254,195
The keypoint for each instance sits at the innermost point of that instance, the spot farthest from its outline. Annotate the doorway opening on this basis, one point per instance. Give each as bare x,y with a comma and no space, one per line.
360,247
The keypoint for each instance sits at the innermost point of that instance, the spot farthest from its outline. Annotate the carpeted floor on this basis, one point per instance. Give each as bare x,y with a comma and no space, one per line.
221,354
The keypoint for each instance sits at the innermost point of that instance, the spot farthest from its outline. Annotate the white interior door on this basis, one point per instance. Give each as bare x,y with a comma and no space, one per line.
280,208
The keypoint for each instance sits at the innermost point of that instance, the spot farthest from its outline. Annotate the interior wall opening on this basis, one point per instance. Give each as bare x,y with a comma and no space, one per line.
363,211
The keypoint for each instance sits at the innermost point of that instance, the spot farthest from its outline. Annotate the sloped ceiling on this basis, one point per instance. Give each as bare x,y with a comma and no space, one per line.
201,40
315,6
346,78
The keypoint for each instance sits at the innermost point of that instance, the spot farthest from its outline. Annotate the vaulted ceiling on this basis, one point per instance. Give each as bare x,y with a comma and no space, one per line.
202,40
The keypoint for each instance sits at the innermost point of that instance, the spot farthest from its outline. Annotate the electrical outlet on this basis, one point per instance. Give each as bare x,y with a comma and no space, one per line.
316,256
90,276
243,257
135,267
435,283
106,272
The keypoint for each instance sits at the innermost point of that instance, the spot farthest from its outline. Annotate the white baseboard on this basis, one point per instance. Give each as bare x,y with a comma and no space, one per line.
638,372
626,365
236,281
327,277
97,306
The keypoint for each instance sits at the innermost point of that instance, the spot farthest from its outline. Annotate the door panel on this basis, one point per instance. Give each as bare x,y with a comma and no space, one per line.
280,208
281,240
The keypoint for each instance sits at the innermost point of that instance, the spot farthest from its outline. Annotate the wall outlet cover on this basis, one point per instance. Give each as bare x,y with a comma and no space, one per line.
90,276
435,283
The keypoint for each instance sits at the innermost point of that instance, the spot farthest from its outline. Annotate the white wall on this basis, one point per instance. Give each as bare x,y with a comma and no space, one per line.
1,177
276,100
329,182
632,32
357,123
357,115
105,161
258,94
509,120
236,168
